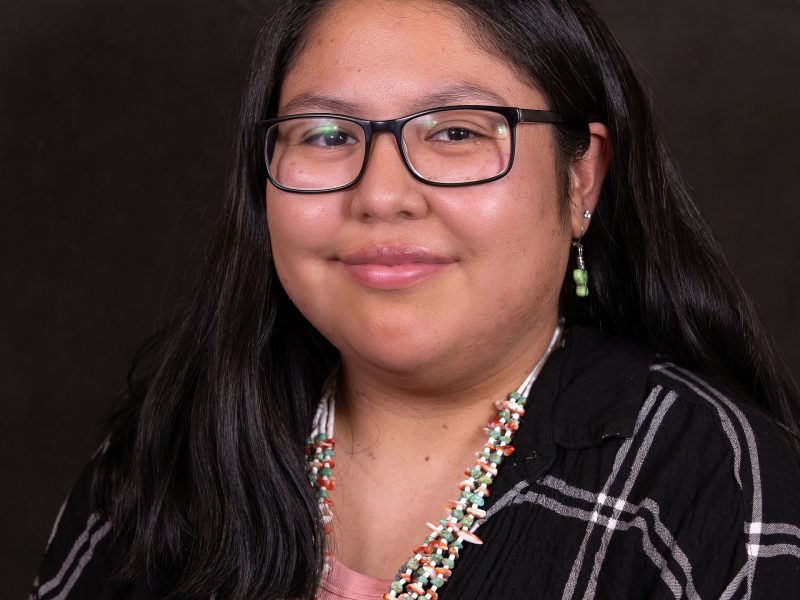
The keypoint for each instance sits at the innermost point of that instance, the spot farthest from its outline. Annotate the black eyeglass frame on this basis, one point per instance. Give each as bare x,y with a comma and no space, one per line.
513,116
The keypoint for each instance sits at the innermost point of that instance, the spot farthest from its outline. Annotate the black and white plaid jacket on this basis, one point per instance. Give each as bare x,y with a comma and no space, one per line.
632,479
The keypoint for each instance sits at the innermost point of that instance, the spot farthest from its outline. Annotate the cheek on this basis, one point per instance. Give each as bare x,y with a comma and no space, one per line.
299,228
513,222
517,240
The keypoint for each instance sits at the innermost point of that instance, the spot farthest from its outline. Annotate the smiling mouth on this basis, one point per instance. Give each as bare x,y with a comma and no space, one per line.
393,266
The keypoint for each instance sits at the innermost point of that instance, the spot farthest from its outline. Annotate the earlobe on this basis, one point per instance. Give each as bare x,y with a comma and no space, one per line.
587,174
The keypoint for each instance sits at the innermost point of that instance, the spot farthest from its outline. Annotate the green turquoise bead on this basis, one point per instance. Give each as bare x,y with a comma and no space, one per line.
437,581
580,276
582,291
397,586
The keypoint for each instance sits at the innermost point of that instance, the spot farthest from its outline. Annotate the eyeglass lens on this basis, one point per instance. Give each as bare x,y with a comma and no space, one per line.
449,146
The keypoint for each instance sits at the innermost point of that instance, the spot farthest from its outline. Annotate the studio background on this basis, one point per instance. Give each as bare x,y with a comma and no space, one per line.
116,123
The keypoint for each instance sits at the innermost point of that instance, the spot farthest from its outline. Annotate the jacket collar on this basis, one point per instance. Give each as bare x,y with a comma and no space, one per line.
590,389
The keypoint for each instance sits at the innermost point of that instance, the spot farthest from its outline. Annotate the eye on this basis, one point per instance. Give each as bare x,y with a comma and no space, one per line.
453,134
329,136
456,127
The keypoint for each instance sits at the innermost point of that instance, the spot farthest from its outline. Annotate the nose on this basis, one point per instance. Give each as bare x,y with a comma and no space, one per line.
388,190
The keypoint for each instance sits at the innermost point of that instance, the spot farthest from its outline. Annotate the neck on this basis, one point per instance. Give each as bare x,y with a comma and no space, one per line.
376,414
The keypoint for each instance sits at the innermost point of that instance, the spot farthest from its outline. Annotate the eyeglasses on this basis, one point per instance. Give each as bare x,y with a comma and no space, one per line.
449,146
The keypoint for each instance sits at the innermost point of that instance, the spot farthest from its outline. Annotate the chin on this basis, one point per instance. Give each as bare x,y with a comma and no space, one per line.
400,357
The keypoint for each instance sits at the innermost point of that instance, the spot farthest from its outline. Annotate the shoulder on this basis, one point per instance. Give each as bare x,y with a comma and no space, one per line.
724,476
695,410
611,388
75,560
699,478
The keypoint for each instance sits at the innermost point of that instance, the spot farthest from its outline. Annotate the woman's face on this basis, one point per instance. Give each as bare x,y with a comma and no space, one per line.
407,278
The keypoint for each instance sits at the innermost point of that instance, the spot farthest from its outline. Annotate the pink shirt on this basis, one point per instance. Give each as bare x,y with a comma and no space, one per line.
343,582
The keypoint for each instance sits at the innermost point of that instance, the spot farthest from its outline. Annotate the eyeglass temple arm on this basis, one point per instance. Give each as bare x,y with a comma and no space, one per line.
527,115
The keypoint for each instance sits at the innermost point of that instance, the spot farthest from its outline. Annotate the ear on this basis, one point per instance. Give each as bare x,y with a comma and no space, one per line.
587,174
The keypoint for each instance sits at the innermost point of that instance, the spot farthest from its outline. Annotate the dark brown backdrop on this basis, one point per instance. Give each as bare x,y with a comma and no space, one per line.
117,117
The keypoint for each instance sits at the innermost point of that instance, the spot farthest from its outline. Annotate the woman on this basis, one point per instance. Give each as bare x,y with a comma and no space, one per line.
447,214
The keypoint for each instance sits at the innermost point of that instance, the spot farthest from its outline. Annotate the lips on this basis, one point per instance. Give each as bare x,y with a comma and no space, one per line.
393,266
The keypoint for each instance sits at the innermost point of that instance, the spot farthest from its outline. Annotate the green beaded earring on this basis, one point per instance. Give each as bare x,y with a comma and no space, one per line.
581,275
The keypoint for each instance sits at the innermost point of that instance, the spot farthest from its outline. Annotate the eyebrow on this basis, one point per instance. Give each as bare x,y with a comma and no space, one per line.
464,93
318,103
460,93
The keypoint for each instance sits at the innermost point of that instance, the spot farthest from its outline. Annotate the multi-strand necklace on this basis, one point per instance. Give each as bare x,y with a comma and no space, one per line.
433,562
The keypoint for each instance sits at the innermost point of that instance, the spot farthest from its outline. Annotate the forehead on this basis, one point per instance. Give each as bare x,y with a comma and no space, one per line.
383,58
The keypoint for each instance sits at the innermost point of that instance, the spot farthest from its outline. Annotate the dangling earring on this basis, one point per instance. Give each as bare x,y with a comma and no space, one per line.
581,275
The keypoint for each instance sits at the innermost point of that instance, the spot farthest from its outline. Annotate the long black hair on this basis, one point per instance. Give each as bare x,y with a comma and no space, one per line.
204,476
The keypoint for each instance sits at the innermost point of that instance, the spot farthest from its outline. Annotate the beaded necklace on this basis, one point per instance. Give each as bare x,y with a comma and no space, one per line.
432,563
